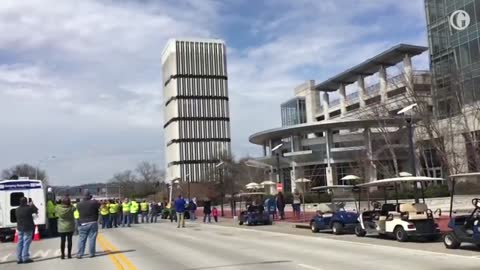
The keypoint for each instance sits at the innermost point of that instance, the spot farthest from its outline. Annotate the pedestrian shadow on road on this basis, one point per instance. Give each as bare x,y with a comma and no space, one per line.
98,254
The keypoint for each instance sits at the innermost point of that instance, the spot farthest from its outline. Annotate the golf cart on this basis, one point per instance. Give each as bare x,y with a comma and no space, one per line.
333,216
465,228
401,221
252,212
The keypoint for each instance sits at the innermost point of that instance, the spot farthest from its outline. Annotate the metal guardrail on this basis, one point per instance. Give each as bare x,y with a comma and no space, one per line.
353,97
374,89
334,103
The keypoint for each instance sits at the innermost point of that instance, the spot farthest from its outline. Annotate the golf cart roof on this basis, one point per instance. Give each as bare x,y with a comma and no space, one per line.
392,181
321,188
250,194
475,174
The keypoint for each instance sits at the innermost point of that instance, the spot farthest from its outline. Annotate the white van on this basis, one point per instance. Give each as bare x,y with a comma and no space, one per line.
10,193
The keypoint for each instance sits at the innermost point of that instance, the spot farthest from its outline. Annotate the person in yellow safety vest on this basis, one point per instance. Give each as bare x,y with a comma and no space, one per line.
144,209
119,212
113,208
52,219
76,215
105,213
127,219
134,211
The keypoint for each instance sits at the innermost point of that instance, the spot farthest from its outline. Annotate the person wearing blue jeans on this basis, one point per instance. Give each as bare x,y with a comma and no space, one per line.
23,247
88,229
126,219
25,227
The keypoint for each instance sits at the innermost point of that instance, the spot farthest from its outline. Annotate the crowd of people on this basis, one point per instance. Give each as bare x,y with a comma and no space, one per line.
83,217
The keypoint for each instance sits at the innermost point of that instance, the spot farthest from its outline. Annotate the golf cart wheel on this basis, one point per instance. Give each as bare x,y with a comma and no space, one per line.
400,234
451,241
314,227
337,228
359,231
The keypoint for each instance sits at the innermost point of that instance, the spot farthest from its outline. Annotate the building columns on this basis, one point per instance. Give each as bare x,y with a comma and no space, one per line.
408,73
343,100
371,170
328,146
361,91
326,105
382,74
270,147
312,101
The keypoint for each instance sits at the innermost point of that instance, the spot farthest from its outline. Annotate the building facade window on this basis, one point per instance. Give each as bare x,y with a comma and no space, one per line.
294,112
316,174
472,145
454,54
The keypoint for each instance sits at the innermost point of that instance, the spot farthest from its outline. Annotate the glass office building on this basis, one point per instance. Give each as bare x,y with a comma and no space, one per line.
454,52
294,112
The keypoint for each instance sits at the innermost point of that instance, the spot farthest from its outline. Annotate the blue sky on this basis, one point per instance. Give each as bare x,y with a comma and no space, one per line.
81,80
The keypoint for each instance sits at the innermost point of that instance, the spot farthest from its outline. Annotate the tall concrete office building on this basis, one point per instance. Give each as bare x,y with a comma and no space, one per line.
197,122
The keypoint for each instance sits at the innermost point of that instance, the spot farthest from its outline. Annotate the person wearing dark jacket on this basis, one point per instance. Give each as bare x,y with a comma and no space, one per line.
66,225
88,210
192,208
25,227
281,205
207,211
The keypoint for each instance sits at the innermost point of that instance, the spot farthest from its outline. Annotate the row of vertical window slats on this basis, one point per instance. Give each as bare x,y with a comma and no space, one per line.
201,58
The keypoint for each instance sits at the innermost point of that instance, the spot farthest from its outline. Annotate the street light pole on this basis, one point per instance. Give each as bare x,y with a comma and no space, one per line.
222,188
188,185
411,147
233,206
279,176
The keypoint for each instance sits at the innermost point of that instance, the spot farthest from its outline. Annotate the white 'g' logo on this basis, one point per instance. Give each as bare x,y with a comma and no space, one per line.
460,20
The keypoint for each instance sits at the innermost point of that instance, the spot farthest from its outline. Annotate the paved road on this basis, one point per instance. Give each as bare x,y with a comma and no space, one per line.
199,246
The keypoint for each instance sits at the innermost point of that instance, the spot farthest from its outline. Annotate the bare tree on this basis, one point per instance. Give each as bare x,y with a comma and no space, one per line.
126,183
149,178
438,135
24,170
149,172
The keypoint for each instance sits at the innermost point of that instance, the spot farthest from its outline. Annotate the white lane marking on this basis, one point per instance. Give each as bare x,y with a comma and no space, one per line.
38,254
356,243
41,254
5,258
308,266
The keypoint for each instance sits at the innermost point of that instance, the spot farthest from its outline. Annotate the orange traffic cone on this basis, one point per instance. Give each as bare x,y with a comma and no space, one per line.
36,236
15,238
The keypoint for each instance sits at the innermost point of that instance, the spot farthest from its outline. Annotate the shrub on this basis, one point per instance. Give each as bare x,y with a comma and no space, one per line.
434,191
